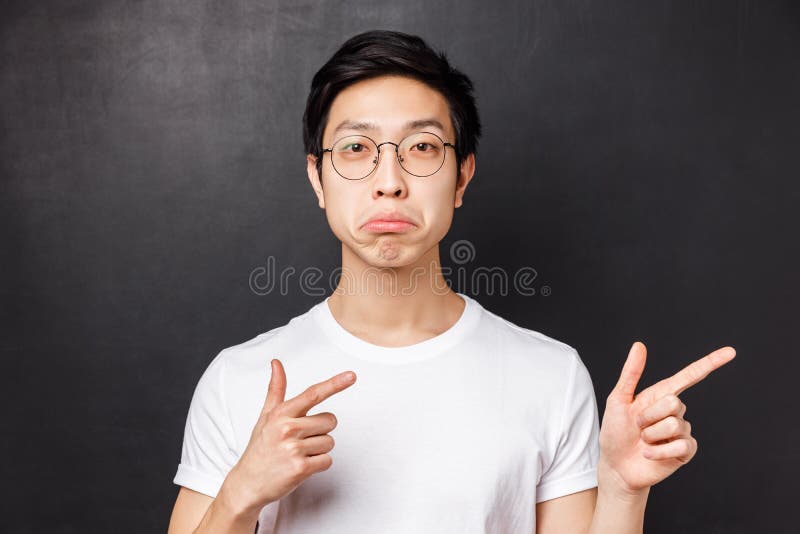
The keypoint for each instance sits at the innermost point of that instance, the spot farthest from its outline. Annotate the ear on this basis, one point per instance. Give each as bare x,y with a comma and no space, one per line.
464,176
314,178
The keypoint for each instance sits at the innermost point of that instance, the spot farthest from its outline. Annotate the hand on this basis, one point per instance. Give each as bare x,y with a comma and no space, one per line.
644,439
286,446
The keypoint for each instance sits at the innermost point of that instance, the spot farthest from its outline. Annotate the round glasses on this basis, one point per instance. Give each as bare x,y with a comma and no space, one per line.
354,157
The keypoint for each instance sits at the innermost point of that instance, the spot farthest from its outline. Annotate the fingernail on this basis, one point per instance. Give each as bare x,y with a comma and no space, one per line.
346,378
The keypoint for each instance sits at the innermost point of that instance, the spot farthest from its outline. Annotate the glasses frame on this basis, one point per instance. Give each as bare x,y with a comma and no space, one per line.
396,152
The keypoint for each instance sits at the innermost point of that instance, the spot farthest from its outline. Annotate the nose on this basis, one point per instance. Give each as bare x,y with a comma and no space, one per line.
389,179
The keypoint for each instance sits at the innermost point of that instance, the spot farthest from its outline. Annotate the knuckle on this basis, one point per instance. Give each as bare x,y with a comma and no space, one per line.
328,461
674,424
293,448
314,395
299,467
287,430
688,426
697,374
673,402
272,416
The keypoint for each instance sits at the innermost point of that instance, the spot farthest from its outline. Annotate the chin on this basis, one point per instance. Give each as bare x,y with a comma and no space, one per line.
390,253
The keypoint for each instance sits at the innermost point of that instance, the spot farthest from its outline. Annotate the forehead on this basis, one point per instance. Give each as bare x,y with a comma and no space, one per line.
388,106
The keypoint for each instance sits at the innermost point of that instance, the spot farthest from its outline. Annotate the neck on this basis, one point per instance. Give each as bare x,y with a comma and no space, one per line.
394,306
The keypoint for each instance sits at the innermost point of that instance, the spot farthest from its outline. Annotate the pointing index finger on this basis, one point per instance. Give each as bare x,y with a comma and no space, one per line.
300,405
694,372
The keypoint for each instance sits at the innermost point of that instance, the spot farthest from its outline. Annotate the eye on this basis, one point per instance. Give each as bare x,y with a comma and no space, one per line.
423,145
358,147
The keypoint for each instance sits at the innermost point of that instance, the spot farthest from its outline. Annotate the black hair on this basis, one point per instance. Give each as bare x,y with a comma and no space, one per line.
384,52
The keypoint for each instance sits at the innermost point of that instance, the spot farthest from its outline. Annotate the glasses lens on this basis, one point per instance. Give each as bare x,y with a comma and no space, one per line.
354,156
422,154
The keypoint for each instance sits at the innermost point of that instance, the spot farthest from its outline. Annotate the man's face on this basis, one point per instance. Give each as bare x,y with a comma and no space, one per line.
389,102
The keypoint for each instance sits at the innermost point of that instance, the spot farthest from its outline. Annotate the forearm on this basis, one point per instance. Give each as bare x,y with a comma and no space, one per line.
226,515
618,513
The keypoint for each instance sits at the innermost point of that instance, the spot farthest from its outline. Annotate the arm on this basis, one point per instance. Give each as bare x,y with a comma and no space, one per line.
190,506
567,492
592,511
619,513
197,513
569,514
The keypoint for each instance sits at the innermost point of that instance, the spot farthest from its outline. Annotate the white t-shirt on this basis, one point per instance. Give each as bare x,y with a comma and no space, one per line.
461,433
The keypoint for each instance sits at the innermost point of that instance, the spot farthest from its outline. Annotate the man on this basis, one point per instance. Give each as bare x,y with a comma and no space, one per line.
458,421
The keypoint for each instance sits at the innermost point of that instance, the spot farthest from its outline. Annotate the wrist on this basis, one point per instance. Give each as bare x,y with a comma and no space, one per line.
235,502
611,486
610,492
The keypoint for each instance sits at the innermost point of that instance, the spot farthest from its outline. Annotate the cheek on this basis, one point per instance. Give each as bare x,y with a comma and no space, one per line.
342,209
436,205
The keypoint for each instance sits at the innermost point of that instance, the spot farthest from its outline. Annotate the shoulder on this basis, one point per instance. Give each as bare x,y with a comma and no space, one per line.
532,343
549,362
256,352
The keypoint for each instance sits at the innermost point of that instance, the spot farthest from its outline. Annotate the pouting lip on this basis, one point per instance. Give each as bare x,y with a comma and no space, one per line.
390,216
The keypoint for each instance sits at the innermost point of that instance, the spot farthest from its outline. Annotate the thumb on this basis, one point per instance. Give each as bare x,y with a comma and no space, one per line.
277,386
631,372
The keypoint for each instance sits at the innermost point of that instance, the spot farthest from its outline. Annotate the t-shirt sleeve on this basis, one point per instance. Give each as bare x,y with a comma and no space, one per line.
574,467
208,451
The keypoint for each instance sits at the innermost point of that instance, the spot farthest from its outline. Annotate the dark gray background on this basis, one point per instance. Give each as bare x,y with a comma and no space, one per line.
641,156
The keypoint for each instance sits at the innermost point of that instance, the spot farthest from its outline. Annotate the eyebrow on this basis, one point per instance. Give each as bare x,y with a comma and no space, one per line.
365,126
